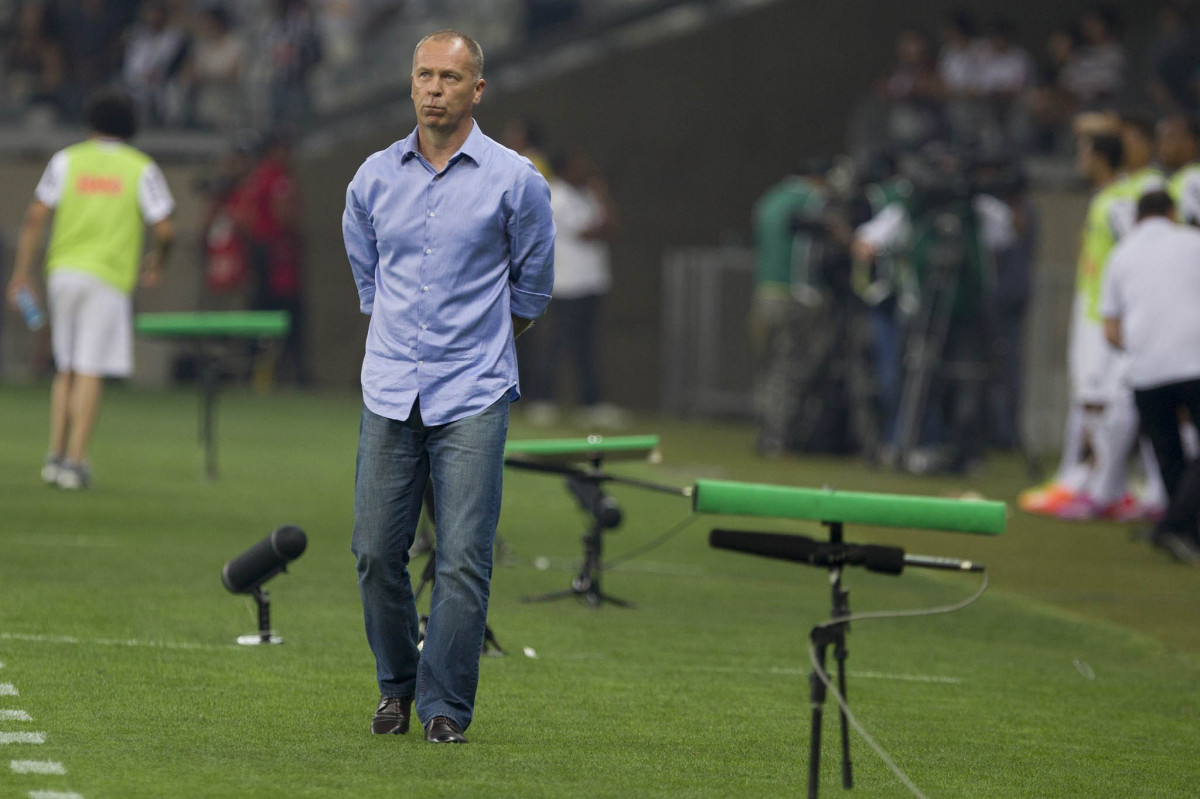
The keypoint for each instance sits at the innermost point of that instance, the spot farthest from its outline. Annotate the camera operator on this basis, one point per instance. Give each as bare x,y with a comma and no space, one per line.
798,317
943,235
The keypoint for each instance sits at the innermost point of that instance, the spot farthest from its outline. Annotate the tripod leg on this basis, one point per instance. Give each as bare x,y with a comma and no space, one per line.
817,696
839,654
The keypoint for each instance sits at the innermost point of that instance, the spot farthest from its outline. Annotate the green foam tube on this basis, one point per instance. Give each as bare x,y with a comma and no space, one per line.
213,324
609,447
852,507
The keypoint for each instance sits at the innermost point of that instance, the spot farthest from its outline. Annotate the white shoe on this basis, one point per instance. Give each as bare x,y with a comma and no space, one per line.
73,476
604,416
50,469
542,414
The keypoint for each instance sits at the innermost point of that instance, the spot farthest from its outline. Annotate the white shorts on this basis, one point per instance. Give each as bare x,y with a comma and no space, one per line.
91,324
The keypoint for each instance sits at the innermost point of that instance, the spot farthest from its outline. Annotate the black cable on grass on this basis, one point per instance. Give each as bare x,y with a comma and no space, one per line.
841,700
671,532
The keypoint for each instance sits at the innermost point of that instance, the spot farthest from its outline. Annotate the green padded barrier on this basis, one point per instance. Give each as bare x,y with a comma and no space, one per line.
213,324
560,450
851,507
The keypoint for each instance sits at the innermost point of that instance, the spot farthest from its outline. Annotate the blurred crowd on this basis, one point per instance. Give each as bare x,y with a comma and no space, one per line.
219,64
187,64
979,83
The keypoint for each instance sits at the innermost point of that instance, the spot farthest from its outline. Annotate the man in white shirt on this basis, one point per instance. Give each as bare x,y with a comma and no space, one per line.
1150,302
586,220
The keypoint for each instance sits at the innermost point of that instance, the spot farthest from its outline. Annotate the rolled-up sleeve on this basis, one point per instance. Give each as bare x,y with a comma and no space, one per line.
531,247
361,248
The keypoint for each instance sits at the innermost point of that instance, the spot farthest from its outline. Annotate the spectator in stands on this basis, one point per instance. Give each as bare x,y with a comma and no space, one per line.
1150,294
913,92
33,61
1172,58
214,72
154,58
270,213
91,33
914,76
1006,75
1095,74
293,47
586,219
958,70
958,60
1006,69
1051,103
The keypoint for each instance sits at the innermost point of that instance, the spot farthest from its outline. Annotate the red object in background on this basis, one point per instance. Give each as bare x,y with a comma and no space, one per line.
226,268
267,206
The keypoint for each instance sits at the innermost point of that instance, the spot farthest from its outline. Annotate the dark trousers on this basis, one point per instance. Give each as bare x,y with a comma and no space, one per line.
1159,410
572,324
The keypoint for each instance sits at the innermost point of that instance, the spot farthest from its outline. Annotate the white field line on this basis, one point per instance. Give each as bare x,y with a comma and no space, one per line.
786,671
79,541
132,642
22,738
15,715
54,795
791,671
8,689
543,563
38,767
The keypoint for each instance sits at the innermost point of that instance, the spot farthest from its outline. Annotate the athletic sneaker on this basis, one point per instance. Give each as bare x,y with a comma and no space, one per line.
1080,508
50,469
1131,509
1047,499
73,476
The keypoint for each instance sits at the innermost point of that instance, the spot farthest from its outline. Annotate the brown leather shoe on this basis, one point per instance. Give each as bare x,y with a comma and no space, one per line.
442,730
391,717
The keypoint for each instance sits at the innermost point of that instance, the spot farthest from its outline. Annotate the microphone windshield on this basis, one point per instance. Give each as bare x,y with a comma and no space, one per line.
268,557
798,548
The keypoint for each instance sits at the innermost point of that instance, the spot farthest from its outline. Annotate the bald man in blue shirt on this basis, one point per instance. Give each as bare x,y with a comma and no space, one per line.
451,243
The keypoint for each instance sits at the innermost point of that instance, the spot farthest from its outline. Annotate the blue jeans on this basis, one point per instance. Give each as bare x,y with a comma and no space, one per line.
465,460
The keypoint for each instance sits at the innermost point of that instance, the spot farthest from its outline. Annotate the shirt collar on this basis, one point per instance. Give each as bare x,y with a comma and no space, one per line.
471,148
1152,221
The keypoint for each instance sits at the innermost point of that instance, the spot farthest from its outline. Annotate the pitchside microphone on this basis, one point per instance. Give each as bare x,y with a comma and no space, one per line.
267,558
802,549
591,498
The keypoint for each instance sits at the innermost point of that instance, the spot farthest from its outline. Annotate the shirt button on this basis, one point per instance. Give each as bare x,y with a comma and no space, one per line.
433,213
424,288
429,252
420,363
424,327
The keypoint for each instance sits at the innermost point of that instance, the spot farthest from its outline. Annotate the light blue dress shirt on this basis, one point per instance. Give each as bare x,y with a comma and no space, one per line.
441,260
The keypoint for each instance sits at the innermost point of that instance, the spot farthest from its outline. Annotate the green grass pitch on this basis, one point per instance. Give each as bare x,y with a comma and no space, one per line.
1076,675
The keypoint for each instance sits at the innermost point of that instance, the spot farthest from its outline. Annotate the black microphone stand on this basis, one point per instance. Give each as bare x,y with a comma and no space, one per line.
265,634
822,638
585,484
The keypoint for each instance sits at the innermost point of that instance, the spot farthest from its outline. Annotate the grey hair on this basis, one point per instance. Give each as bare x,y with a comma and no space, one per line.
473,49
